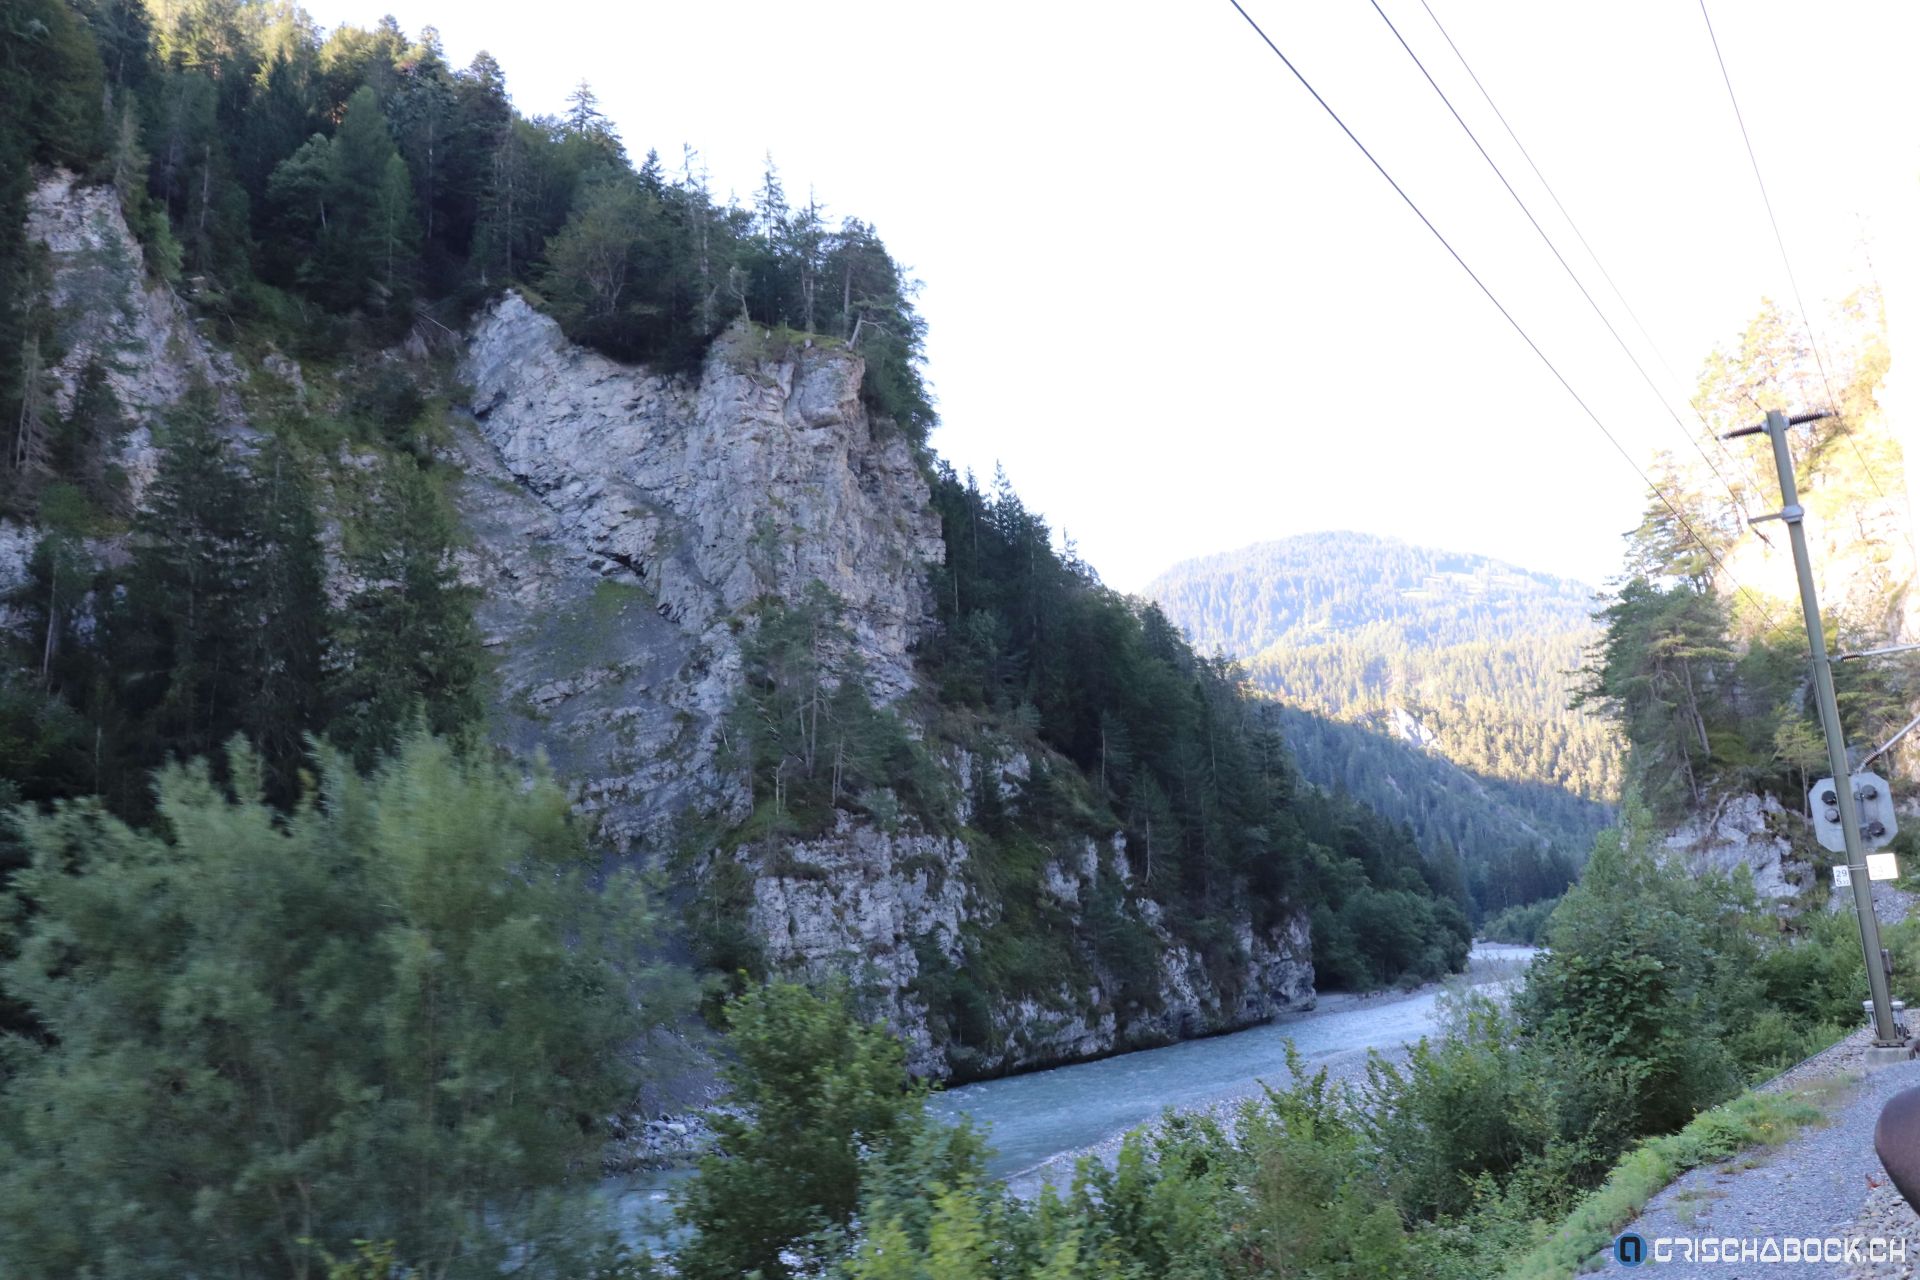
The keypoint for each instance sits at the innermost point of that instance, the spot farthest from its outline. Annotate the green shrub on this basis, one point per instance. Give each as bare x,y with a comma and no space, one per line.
401,1006
1471,1104
1520,926
958,1010
1649,971
387,404
824,1100
1748,1121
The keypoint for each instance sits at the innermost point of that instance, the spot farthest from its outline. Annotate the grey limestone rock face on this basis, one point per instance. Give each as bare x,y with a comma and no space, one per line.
868,906
105,308
108,309
623,520
16,555
1741,830
862,904
762,475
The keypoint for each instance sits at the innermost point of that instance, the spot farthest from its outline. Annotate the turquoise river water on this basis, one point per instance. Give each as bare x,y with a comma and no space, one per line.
1040,1122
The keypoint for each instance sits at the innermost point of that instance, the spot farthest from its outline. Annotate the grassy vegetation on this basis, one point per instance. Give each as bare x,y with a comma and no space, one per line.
1752,1120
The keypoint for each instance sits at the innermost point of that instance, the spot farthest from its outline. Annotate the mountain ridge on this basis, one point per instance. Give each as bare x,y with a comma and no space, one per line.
1415,568
1431,685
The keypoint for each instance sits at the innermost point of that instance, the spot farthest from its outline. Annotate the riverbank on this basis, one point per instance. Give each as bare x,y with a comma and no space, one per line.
1042,1125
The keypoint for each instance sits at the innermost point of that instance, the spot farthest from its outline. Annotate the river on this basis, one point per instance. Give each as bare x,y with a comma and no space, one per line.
1039,1123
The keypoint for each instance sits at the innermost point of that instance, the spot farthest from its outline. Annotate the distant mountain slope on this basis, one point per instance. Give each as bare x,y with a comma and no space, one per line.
1432,685
1321,585
1517,841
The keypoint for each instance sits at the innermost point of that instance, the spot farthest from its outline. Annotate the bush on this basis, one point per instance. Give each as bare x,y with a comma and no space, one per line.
823,1099
387,404
957,1009
1473,1103
400,1007
1650,971
1520,926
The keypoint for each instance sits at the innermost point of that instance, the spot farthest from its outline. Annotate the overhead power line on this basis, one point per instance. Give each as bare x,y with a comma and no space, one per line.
1806,317
1733,459
1557,255
1518,328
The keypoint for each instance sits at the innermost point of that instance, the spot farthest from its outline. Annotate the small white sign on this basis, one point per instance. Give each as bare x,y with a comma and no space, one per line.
1880,866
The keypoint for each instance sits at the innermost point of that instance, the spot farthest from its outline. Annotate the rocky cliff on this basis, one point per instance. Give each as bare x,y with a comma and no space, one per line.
105,309
1748,831
108,310
895,912
624,522
623,528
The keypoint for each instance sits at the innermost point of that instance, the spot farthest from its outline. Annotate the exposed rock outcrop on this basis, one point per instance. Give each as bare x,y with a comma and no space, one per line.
764,474
622,525
107,309
16,556
1743,830
875,908
622,522
624,518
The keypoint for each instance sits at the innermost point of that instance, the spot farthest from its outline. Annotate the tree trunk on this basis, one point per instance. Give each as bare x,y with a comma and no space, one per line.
53,622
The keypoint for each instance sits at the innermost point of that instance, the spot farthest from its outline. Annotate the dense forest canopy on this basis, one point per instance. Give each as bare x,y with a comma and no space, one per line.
1325,585
1478,654
286,177
286,574
1432,686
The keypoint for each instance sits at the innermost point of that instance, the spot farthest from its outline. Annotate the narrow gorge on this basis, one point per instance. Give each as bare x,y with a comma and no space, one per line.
623,531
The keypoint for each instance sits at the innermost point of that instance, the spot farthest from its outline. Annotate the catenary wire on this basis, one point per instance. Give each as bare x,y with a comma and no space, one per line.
1806,317
1552,368
1743,463
1559,257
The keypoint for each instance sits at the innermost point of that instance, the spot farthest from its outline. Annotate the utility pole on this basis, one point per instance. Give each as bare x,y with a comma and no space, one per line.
1886,1031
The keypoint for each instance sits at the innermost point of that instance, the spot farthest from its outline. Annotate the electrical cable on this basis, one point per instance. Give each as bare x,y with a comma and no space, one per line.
1806,317
1559,257
1685,524
1743,463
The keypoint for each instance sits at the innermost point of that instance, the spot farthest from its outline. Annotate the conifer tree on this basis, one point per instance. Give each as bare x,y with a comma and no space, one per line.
395,1013
408,646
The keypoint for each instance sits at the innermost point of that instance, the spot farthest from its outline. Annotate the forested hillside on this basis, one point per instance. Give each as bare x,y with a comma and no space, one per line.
1516,842
268,850
1433,686
1326,586
1701,663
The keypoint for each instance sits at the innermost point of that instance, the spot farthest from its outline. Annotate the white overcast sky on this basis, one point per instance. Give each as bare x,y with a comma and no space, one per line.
1186,314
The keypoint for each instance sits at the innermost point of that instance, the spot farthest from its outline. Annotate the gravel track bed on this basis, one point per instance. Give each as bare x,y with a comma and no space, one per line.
1825,1182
